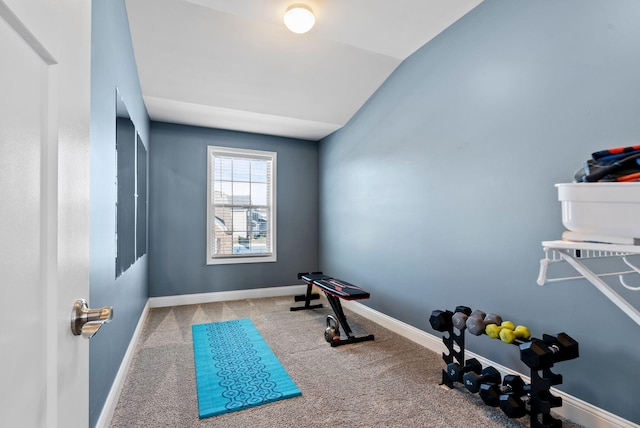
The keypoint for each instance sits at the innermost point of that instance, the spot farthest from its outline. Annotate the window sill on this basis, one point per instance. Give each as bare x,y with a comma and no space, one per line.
241,260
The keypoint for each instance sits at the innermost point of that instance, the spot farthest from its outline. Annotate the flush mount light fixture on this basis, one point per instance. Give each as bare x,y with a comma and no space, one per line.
299,18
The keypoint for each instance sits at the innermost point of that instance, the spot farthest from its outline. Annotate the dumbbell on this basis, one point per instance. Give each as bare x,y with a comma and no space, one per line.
441,320
460,316
472,380
493,330
539,354
520,332
478,320
455,371
490,392
515,405
564,347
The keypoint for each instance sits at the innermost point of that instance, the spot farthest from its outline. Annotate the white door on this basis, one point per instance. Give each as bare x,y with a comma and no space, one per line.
44,210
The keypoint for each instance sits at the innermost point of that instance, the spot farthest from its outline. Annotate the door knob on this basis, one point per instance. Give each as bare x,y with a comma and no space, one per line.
87,322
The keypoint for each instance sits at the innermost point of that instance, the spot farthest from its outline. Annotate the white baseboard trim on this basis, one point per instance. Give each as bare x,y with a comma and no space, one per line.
116,388
189,299
574,409
223,296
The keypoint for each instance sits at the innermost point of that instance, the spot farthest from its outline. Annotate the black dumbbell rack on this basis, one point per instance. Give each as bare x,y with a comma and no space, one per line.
452,341
541,401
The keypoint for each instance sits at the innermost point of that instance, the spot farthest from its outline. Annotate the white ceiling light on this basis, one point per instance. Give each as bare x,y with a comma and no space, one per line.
299,18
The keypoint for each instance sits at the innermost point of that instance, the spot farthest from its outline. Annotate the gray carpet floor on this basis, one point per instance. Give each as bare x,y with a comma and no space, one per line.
390,382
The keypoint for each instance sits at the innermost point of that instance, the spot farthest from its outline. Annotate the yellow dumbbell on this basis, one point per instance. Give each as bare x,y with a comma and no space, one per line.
520,332
493,330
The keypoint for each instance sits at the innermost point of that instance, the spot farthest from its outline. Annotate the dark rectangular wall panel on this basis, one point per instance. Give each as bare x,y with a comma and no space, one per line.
141,210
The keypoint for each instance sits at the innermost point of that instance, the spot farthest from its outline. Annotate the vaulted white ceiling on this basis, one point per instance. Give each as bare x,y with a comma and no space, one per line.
232,64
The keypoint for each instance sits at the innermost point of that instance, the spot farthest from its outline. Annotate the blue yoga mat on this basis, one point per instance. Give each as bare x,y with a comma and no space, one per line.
236,369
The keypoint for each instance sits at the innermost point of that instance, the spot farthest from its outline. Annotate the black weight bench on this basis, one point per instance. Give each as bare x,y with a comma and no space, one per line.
334,290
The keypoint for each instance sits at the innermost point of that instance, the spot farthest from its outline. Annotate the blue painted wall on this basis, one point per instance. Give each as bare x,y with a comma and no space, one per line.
112,65
440,189
178,207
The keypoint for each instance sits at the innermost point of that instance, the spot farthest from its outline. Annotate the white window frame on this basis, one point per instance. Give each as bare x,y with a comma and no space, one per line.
213,259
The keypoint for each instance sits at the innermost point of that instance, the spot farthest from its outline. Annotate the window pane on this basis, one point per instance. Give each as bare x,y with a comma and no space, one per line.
259,194
241,194
241,169
224,218
222,193
259,171
217,168
224,169
221,236
239,222
259,225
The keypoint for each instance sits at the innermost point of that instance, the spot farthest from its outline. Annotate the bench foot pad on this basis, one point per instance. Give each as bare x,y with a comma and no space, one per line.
302,308
341,342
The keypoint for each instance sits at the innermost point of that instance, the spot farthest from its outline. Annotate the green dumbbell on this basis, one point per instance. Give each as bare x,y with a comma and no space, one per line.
520,332
493,330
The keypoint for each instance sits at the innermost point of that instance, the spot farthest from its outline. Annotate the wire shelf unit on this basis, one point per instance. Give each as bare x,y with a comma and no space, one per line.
576,253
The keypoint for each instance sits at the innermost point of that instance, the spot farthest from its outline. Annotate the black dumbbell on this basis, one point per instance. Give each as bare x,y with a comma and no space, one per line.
539,354
441,320
472,380
460,316
515,405
463,309
455,371
490,392
478,320
564,346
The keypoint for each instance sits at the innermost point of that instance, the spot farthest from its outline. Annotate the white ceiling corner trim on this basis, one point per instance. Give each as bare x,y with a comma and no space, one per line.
164,110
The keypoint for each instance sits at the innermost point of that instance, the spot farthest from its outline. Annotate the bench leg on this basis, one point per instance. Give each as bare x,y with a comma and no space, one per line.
342,319
306,298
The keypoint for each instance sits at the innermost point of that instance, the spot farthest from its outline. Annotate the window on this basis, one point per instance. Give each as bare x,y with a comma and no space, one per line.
241,212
